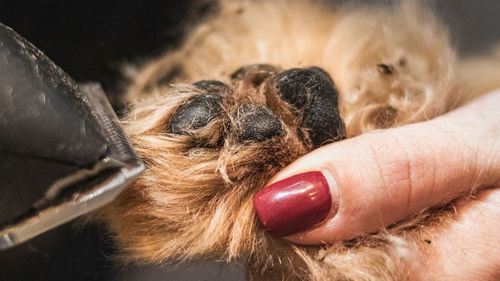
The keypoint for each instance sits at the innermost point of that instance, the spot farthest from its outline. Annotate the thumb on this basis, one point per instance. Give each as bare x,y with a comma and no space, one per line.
360,185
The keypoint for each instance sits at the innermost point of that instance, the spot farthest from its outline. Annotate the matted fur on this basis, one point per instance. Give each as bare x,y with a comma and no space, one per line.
392,64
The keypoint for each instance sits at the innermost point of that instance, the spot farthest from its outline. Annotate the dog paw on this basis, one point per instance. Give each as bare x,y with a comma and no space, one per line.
260,103
208,148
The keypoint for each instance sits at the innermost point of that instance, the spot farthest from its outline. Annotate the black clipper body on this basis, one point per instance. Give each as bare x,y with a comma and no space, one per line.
62,151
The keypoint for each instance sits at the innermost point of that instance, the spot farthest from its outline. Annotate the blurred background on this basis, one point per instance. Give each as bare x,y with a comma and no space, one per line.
92,40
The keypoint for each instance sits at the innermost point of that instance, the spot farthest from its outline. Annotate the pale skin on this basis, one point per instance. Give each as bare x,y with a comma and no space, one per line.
383,177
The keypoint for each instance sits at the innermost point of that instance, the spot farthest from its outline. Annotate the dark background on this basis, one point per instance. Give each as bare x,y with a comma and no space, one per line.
92,40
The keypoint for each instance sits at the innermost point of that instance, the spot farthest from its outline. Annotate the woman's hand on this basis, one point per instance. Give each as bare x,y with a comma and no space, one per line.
363,184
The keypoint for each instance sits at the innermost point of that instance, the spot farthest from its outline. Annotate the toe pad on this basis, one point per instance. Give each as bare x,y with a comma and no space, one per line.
196,113
257,123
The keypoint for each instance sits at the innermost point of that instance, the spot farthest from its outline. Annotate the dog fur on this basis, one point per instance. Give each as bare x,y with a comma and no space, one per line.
392,65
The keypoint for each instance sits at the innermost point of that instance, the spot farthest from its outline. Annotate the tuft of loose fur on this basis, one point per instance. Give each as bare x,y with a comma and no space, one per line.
393,65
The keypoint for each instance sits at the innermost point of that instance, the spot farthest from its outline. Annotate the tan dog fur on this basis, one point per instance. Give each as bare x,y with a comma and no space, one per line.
393,65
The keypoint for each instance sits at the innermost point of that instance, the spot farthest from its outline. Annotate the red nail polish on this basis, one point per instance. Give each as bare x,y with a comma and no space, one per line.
293,204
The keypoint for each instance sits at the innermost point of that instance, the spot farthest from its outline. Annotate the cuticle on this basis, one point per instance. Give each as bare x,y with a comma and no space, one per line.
334,192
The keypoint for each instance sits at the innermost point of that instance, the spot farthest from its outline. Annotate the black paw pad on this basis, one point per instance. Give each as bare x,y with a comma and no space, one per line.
196,113
313,92
254,73
324,123
257,123
212,86
300,86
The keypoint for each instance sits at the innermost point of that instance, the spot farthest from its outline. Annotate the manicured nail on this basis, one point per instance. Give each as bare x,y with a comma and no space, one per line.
294,204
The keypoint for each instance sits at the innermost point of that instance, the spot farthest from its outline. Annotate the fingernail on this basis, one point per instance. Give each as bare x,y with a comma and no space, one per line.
294,204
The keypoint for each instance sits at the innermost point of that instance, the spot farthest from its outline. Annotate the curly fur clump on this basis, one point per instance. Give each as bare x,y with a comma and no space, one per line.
392,65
